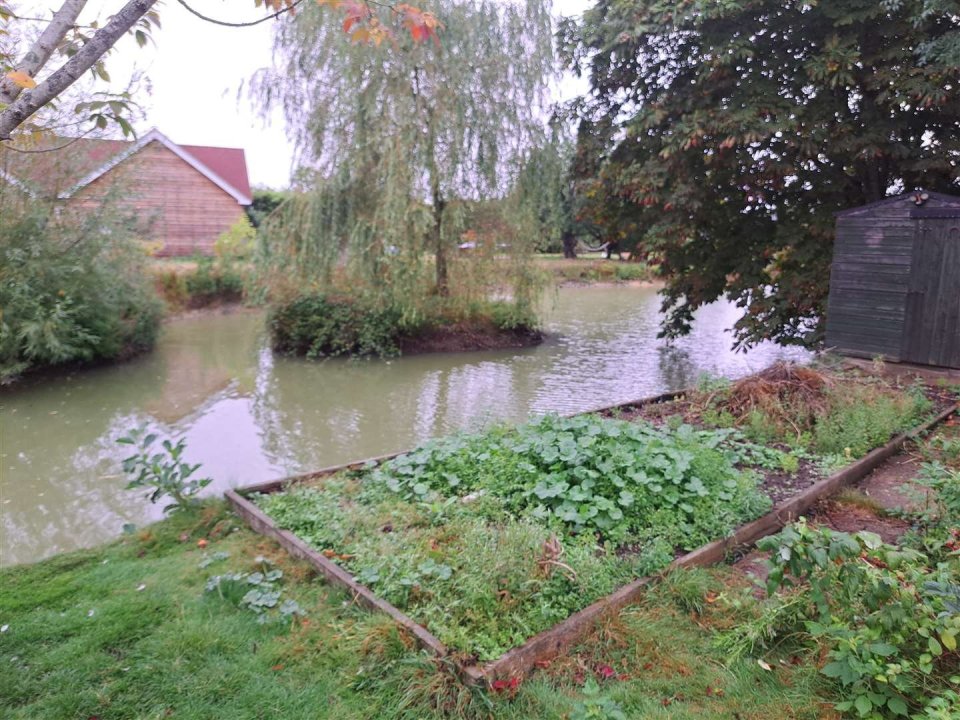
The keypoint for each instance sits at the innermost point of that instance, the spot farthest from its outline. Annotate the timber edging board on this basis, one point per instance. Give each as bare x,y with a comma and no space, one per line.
553,641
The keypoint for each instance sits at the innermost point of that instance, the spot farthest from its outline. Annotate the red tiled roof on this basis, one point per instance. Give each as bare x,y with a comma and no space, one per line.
229,163
58,172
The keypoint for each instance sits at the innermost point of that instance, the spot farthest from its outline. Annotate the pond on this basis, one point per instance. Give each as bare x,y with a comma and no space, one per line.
249,416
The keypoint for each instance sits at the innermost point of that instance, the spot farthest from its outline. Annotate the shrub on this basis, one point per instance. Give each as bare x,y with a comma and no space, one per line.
330,325
211,282
237,242
888,618
165,473
72,289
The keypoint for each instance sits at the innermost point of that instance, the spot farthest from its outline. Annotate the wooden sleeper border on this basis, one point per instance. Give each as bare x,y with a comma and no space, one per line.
556,640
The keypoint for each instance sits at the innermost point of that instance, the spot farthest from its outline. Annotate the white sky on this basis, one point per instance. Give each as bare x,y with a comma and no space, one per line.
195,70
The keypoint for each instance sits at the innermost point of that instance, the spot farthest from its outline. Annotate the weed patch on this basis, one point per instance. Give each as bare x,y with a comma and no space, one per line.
488,539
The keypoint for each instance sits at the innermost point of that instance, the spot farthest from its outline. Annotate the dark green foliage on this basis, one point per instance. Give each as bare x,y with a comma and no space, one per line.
729,133
888,616
72,289
265,201
331,325
491,538
327,326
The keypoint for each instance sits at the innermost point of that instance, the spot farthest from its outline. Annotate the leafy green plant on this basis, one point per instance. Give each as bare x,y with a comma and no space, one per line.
888,617
210,282
165,472
490,538
594,706
72,288
326,326
237,242
259,591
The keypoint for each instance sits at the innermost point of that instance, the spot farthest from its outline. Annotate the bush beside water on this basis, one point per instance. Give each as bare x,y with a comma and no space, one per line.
330,325
72,289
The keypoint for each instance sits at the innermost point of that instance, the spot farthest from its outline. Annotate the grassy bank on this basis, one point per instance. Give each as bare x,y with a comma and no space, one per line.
129,631
193,283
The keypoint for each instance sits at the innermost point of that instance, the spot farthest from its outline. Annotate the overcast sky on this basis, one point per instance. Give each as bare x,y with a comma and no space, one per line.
195,70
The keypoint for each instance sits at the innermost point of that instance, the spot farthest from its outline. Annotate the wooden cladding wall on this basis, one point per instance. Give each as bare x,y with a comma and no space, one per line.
873,279
175,204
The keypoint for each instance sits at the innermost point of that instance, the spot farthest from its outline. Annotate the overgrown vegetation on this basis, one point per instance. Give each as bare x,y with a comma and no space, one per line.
488,539
828,413
880,621
72,287
329,325
204,280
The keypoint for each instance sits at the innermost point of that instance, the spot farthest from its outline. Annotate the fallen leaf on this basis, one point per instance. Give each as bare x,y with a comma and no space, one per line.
606,672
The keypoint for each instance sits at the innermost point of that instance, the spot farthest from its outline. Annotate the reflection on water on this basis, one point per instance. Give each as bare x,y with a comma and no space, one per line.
249,416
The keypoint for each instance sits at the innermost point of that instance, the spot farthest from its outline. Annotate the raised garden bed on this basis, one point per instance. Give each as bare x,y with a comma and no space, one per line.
492,544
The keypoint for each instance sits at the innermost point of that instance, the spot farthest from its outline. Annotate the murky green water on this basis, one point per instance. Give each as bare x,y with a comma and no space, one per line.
249,416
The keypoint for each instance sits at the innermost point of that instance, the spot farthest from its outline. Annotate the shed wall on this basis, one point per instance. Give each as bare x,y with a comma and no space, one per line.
869,281
175,203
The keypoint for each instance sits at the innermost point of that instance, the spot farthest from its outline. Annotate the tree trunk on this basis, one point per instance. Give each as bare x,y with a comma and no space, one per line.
440,251
569,246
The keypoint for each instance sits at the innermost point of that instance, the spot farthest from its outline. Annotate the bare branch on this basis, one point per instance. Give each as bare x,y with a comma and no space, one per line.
38,55
30,101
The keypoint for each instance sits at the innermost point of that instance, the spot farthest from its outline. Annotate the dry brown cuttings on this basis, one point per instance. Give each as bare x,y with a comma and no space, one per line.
786,393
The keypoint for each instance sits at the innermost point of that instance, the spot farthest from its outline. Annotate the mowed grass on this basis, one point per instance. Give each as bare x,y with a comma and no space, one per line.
128,631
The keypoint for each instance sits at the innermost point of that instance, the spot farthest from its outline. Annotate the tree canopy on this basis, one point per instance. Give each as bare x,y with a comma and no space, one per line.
401,148
36,69
732,131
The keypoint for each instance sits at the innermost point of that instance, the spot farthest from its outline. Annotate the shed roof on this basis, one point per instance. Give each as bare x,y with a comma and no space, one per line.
941,200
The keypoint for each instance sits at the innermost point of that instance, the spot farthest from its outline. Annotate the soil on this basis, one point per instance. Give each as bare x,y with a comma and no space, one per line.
780,485
466,336
850,518
889,485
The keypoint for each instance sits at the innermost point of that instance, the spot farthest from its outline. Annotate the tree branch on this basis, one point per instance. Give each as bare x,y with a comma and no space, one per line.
38,55
32,100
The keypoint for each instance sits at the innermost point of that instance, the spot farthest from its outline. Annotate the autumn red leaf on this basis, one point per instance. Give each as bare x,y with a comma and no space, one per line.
606,672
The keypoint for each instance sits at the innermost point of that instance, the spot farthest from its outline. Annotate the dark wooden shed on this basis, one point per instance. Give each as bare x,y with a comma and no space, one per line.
895,280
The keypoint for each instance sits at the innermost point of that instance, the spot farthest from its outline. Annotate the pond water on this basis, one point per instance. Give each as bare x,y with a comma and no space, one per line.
249,416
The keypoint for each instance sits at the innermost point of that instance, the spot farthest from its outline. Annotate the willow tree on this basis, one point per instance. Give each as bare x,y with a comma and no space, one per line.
400,143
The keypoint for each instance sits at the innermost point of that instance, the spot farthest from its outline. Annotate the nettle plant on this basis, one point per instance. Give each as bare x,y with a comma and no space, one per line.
889,618
166,472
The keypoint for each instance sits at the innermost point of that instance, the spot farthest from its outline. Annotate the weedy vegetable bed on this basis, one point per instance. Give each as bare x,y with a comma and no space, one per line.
502,548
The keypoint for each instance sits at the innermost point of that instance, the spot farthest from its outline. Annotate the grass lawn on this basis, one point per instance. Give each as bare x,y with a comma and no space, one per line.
128,631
